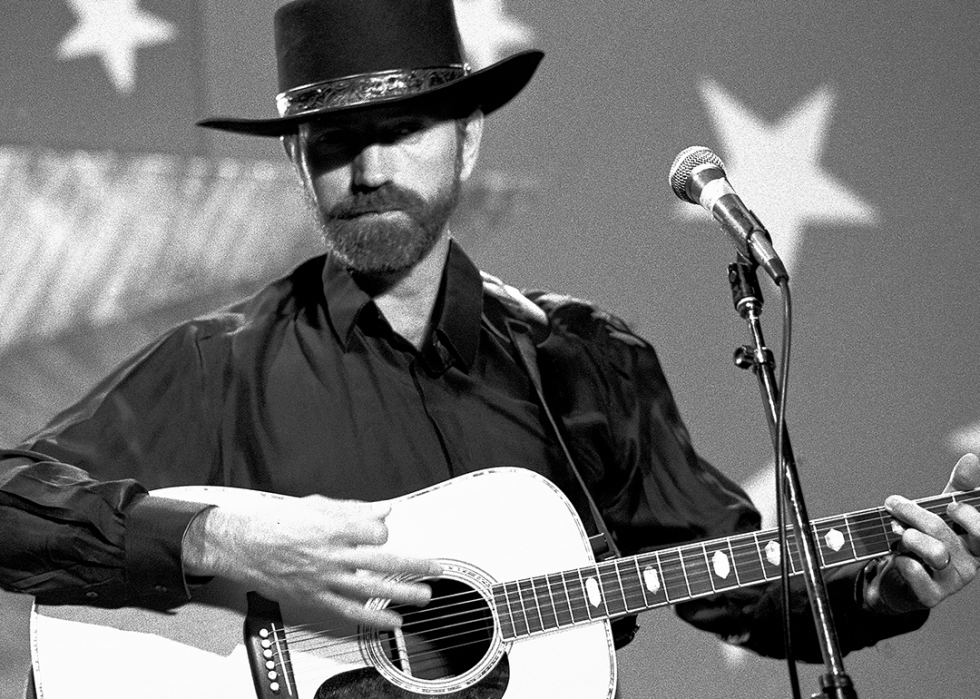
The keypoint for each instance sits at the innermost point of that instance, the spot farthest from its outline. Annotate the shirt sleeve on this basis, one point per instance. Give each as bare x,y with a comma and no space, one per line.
77,522
655,491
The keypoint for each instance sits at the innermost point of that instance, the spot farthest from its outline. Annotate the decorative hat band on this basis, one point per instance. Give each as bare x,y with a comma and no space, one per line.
366,88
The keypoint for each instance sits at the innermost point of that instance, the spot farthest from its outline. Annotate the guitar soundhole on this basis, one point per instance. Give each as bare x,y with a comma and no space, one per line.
446,638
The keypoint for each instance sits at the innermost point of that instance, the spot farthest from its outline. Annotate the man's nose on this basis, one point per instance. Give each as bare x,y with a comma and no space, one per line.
371,166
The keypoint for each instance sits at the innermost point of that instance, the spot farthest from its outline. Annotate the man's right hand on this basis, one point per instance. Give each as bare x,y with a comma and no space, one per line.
313,551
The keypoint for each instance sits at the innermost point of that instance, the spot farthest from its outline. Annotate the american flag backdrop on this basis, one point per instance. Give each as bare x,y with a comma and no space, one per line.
850,129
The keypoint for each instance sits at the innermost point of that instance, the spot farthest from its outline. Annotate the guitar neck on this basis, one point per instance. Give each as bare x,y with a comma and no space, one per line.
664,577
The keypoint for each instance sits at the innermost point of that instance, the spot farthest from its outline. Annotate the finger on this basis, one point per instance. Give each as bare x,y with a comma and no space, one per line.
917,579
933,552
918,517
379,561
969,520
362,531
349,508
365,585
965,475
357,611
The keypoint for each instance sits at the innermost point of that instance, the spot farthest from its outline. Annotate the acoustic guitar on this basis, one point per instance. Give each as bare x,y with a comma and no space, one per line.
521,611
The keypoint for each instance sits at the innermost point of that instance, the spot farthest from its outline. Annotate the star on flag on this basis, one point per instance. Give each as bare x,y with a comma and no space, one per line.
113,30
488,33
776,170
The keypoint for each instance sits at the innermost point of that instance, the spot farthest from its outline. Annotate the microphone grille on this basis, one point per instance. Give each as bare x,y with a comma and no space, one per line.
684,164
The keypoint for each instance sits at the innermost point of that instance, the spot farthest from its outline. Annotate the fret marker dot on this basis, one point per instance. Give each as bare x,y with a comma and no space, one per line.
772,553
834,540
721,565
651,579
592,588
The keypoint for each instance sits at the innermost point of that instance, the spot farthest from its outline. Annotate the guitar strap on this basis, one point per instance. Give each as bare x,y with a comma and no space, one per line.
603,544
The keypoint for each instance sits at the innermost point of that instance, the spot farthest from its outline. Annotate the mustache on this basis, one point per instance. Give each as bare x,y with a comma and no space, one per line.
376,201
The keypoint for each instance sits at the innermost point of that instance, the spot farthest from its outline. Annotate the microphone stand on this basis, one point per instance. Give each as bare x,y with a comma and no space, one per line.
747,297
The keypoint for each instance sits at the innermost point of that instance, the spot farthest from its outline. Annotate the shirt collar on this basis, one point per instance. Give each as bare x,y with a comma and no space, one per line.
458,308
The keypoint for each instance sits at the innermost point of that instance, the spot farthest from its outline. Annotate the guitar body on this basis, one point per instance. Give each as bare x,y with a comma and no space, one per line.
489,526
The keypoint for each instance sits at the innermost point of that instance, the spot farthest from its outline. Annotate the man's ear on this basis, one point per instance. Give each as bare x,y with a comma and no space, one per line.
472,136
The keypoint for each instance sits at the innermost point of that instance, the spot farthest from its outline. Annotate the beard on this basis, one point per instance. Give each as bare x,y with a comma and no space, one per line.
387,230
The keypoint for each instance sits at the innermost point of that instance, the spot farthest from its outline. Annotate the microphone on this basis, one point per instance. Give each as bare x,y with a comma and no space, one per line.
698,177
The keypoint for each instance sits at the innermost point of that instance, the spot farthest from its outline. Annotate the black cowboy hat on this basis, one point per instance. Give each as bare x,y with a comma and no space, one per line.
337,57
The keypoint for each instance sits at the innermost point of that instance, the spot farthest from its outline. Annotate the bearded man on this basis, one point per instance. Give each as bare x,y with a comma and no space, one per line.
386,367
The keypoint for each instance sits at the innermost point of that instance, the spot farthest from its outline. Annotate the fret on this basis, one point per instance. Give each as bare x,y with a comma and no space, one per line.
873,536
696,570
581,606
771,554
834,541
546,605
516,609
504,612
674,577
721,564
596,595
760,551
652,575
522,607
574,603
795,553
532,612
612,589
707,566
748,559
639,577
560,601
731,553
629,576
622,587
583,601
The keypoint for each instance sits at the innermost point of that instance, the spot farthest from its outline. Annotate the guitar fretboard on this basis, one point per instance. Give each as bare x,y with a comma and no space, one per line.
667,576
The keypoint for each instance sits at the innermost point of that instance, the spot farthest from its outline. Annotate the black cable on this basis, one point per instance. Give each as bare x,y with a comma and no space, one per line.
781,489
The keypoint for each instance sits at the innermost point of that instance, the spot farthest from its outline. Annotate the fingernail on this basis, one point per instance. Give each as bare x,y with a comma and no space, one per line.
891,502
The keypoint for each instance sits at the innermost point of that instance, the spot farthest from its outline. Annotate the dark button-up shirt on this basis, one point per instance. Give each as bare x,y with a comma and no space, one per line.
304,388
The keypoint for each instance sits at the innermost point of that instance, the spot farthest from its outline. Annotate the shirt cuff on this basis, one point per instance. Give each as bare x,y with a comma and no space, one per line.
155,528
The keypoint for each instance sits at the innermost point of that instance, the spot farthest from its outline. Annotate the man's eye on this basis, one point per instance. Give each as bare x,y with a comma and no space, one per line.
405,131
328,153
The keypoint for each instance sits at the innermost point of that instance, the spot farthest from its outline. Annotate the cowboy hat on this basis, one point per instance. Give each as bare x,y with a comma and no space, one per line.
337,57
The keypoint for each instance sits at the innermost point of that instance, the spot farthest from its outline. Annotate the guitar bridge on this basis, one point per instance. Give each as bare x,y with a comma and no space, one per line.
268,652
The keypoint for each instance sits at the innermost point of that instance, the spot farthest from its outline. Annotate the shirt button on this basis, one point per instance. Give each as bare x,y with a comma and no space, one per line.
160,588
91,595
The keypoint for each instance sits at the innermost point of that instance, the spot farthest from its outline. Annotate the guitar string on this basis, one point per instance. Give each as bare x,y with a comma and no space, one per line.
354,655
532,628
307,634
701,574
463,599
418,666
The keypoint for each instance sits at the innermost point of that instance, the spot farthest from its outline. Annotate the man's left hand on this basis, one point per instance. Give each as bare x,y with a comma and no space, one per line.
933,561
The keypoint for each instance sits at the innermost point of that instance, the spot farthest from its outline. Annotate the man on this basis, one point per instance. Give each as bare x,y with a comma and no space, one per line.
388,366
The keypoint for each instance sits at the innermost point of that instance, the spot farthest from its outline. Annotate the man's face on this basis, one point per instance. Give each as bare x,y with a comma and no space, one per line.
383,185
